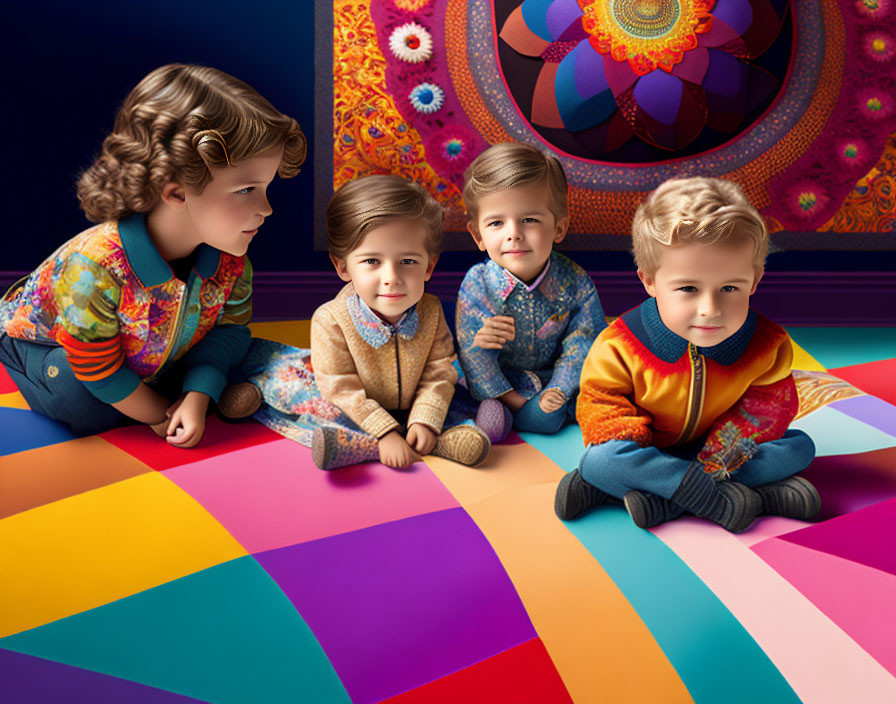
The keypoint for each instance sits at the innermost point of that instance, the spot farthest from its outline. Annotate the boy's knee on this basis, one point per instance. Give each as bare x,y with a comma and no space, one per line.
802,446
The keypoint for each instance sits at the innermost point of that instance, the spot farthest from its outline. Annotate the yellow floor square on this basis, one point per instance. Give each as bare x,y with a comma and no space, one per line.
103,545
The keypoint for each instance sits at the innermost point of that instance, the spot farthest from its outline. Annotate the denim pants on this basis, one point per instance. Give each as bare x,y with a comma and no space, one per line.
618,466
531,419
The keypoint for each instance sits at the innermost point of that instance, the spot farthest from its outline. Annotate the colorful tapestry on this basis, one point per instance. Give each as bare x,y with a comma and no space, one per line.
793,99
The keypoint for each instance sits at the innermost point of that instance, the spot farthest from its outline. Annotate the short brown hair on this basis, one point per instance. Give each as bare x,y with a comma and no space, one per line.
369,202
698,209
175,125
511,164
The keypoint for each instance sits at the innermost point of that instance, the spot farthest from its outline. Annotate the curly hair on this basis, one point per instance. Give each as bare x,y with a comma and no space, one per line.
697,209
370,202
508,165
177,124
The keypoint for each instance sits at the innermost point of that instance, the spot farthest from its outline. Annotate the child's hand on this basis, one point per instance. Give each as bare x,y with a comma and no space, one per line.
422,438
495,332
186,420
395,451
551,400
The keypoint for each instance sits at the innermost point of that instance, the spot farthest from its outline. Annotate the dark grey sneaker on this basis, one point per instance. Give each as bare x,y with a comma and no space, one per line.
648,510
575,496
732,505
793,497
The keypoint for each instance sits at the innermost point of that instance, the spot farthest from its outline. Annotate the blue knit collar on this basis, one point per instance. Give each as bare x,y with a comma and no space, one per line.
669,347
375,331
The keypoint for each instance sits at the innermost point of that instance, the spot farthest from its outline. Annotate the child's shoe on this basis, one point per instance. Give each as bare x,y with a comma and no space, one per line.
793,497
648,510
465,444
494,419
575,496
732,505
332,448
239,401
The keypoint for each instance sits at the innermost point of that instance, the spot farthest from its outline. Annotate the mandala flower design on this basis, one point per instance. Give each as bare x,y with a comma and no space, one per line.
658,70
411,43
411,5
426,97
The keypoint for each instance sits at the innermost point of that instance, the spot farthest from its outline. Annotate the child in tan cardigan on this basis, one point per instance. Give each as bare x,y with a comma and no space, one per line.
380,381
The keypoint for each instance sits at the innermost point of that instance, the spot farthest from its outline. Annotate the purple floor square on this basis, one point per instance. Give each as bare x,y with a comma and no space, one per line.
38,681
870,410
403,603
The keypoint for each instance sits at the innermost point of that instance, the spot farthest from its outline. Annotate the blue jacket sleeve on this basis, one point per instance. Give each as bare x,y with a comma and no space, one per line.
481,370
584,327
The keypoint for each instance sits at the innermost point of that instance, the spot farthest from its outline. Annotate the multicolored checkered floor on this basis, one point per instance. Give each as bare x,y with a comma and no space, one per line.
131,571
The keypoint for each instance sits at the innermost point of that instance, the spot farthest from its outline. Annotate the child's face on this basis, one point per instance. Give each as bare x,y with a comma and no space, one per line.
234,204
703,291
389,267
517,229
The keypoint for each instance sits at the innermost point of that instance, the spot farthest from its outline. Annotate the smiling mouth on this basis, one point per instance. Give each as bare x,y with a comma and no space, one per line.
517,252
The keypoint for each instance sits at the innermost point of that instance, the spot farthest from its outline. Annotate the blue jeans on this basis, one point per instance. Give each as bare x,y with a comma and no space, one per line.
46,380
618,466
531,419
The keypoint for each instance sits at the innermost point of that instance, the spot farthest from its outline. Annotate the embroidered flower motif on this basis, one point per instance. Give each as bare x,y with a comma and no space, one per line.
807,198
427,97
411,43
879,46
851,152
876,104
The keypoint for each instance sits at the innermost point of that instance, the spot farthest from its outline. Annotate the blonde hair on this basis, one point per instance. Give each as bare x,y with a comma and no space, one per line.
511,164
705,210
370,202
175,125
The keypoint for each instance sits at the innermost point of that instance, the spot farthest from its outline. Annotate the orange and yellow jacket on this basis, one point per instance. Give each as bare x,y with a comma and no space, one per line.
642,382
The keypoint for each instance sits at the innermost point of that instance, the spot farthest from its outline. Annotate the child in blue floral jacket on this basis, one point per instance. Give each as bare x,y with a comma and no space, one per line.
526,317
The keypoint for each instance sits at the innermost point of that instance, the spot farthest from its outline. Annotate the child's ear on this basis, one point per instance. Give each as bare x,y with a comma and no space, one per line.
756,282
173,195
341,271
432,265
560,230
649,283
477,238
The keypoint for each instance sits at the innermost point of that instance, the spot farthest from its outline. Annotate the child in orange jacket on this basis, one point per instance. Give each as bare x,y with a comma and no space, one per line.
685,401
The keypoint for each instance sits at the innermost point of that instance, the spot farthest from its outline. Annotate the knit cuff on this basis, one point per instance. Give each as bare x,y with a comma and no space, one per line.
378,423
429,415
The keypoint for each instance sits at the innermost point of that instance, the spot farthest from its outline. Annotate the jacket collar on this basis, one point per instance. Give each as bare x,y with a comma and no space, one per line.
503,282
374,330
646,324
146,262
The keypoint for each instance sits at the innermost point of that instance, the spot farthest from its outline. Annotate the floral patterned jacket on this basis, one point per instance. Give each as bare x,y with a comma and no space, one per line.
112,302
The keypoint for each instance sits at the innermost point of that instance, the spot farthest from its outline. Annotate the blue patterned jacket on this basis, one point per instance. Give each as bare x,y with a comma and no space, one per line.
555,324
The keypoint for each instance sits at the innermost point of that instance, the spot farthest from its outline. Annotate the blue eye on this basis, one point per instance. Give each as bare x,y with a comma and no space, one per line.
494,223
408,261
371,262
527,220
729,289
688,289
244,191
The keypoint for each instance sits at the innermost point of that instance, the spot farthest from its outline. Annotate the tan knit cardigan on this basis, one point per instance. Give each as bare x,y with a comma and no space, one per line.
367,382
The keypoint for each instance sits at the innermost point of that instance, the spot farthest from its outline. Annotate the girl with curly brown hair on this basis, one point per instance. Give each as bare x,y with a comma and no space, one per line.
151,304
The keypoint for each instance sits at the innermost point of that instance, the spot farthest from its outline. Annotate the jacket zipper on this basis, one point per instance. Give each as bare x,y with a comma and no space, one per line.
398,368
697,392
178,321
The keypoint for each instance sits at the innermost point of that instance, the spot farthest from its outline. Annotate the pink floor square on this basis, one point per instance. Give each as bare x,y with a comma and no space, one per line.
271,495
